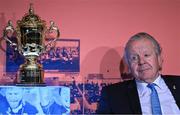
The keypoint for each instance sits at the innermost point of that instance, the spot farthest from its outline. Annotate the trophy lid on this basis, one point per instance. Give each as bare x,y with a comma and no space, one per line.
31,20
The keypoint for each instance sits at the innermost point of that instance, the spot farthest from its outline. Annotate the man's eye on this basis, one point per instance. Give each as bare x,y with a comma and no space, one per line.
10,93
134,58
146,55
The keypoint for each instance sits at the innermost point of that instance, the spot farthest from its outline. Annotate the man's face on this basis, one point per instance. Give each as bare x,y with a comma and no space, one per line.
143,61
65,93
45,96
14,96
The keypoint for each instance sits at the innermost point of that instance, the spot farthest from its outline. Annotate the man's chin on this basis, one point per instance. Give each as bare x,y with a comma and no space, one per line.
148,79
13,106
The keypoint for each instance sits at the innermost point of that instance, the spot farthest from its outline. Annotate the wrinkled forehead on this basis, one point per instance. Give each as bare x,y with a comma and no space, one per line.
14,90
45,90
140,45
144,43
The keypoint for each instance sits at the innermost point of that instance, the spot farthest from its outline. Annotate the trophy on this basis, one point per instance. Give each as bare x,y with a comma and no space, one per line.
30,33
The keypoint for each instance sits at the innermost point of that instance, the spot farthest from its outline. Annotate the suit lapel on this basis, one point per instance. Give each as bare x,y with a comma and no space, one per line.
134,98
174,90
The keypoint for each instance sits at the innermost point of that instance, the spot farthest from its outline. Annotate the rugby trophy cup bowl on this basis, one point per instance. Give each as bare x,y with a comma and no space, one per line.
30,33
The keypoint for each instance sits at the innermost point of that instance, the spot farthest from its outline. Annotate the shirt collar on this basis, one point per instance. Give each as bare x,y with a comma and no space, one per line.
159,82
141,85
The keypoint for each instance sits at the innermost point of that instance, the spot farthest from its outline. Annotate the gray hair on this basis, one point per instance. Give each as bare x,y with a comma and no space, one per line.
142,35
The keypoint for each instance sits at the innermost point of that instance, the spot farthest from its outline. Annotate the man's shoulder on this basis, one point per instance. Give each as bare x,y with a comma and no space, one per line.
173,83
28,108
120,85
171,77
172,80
57,109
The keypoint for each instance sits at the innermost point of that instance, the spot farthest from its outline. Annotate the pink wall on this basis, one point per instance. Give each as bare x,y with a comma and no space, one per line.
104,26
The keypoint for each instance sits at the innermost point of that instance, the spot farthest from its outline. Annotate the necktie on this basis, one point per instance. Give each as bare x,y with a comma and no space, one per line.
155,104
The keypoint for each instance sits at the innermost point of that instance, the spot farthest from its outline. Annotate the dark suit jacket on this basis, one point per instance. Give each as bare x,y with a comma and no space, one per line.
122,98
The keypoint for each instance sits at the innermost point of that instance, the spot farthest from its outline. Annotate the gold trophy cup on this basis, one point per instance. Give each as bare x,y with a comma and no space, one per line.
30,32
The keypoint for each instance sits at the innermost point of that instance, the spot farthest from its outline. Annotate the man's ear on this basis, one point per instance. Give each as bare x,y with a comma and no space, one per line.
125,71
126,65
160,61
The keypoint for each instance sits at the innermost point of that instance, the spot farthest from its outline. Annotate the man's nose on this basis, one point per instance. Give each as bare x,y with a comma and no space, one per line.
141,61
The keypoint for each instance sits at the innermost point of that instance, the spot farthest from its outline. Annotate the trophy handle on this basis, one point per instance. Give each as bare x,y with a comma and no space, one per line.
9,29
51,29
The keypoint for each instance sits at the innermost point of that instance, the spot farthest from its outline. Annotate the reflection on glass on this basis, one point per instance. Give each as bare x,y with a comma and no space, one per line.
34,100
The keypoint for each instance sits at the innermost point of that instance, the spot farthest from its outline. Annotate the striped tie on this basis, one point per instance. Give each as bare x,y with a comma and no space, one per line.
155,104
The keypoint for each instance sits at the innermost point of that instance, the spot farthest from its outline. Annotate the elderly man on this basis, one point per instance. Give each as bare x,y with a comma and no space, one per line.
149,92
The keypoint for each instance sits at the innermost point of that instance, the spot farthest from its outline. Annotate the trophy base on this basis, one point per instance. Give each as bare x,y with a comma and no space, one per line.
31,84
30,77
30,72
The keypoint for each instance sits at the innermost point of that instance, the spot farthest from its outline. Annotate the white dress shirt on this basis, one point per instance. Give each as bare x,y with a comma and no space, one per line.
167,102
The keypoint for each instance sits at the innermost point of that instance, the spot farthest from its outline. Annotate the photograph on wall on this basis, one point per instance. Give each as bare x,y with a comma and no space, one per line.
64,57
